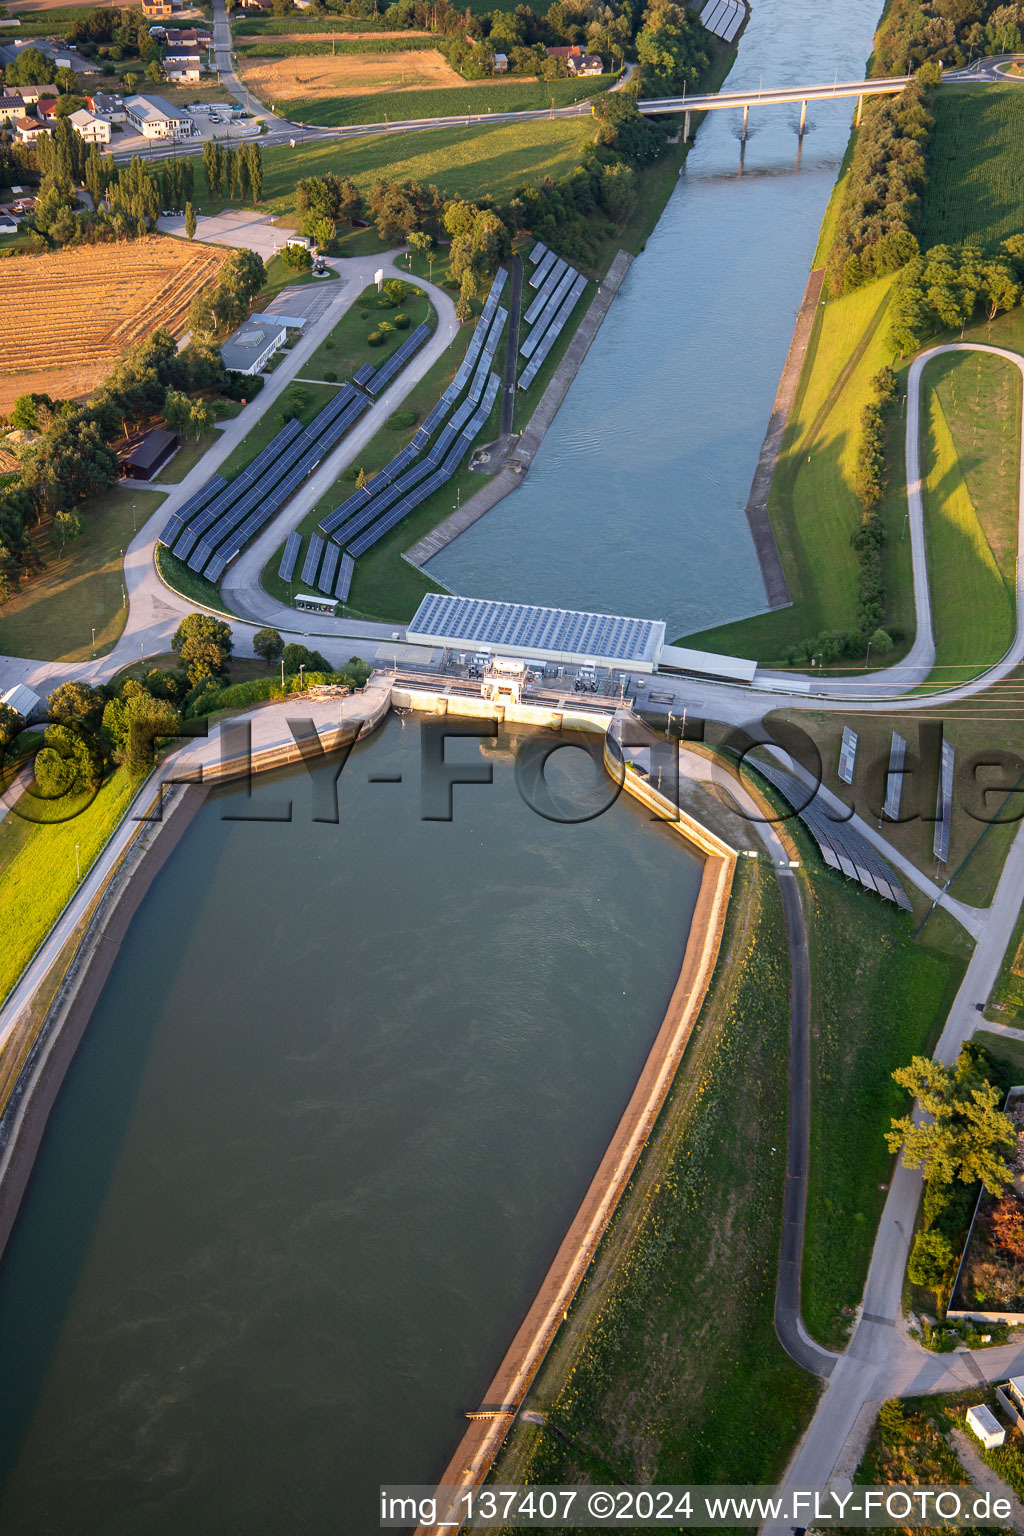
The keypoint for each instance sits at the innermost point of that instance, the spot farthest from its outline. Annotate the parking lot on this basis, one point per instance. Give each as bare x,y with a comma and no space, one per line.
239,227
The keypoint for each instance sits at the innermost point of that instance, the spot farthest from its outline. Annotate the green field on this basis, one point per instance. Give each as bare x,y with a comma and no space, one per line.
970,434
668,1369
38,872
290,47
53,617
458,101
976,182
463,162
346,348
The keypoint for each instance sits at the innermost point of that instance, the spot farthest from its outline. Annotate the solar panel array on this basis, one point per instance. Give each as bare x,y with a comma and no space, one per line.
345,570
537,252
176,522
552,333
365,373
328,570
847,755
266,499
386,372
289,555
312,561
894,779
548,284
723,17
412,474
944,805
198,525
544,266
419,493
841,846
481,621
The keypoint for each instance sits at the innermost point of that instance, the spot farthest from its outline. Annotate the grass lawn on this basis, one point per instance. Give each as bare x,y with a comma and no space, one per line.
813,507
878,998
976,182
346,348
52,617
977,850
1006,1000
186,458
457,101
196,589
463,162
914,1448
38,872
668,1369
1004,1049
268,426
971,432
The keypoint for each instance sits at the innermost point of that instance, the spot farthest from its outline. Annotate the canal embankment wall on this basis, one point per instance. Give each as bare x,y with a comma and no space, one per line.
522,455
176,792
492,1420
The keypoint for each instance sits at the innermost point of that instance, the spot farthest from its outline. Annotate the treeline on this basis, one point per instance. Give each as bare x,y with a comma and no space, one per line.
224,304
228,169
947,31
876,230
944,289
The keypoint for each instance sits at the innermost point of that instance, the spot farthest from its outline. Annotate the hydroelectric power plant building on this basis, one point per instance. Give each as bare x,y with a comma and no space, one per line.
544,634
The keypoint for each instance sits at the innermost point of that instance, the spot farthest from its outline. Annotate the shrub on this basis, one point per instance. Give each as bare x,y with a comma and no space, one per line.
385,328
399,420
375,338
402,322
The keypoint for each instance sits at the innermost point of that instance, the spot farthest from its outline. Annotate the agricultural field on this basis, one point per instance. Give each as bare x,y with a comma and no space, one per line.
976,183
317,90
271,45
314,77
67,316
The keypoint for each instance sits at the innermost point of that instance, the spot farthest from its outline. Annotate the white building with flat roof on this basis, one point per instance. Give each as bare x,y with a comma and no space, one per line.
90,128
250,348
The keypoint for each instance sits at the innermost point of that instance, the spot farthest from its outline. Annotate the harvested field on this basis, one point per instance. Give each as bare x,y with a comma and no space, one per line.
350,74
68,315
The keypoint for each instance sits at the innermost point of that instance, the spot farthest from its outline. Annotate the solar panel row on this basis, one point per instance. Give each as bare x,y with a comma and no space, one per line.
312,560
289,555
325,581
544,266
462,446
266,504
555,273
197,525
537,253
397,361
345,570
723,18
486,621
944,804
177,521
552,333
549,311
307,448
363,374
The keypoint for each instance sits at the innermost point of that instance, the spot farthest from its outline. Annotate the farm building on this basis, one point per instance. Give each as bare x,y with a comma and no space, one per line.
501,63
89,127
8,225
155,118
250,348
143,455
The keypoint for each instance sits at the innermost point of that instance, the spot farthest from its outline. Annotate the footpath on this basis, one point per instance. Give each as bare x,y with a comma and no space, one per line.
519,462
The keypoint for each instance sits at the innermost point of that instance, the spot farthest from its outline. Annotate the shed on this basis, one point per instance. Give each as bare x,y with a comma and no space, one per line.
986,1426
21,698
147,452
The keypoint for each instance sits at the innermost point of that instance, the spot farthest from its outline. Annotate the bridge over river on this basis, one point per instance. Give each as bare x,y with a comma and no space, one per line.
787,95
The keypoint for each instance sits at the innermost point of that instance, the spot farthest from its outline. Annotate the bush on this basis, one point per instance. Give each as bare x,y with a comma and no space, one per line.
399,420
402,322
385,328
242,386
375,339
330,376
298,655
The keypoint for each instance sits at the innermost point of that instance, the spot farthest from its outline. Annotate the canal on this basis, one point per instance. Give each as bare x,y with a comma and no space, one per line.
635,502
335,1108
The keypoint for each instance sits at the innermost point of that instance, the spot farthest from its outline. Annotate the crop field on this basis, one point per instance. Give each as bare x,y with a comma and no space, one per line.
450,96
66,316
311,78
976,182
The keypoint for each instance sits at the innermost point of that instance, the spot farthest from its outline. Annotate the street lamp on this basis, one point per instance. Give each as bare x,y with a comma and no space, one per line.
78,864
135,526
94,642
302,668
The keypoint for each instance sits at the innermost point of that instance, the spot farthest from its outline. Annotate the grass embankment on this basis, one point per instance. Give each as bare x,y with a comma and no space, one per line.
977,849
970,462
195,589
878,998
668,1369
1006,1001
52,617
38,872
476,100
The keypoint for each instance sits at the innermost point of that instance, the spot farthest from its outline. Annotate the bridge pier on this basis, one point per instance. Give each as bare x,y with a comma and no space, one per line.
803,116
686,128
746,120
860,110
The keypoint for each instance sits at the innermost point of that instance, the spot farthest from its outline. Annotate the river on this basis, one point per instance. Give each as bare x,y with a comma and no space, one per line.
333,1113
635,502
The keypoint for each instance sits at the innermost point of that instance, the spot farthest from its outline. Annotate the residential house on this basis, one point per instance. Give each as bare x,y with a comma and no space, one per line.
155,118
192,37
182,66
32,94
154,10
110,107
11,106
46,109
28,129
577,62
591,64
90,128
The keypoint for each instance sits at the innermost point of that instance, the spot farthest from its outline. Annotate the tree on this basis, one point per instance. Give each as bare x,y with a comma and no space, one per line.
360,478
134,726
296,656
255,162
67,526
931,1261
190,221
178,411
24,414
881,642
11,725
268,644
204,645
418,240
68,764
1007,1222
154,71
76,704
967,1137
130,80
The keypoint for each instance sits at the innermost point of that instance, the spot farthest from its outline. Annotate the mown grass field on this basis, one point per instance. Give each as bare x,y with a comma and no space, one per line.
668,1369
470,100
462,162
346,348
38,873
976,182
52,618
813,507
970,423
